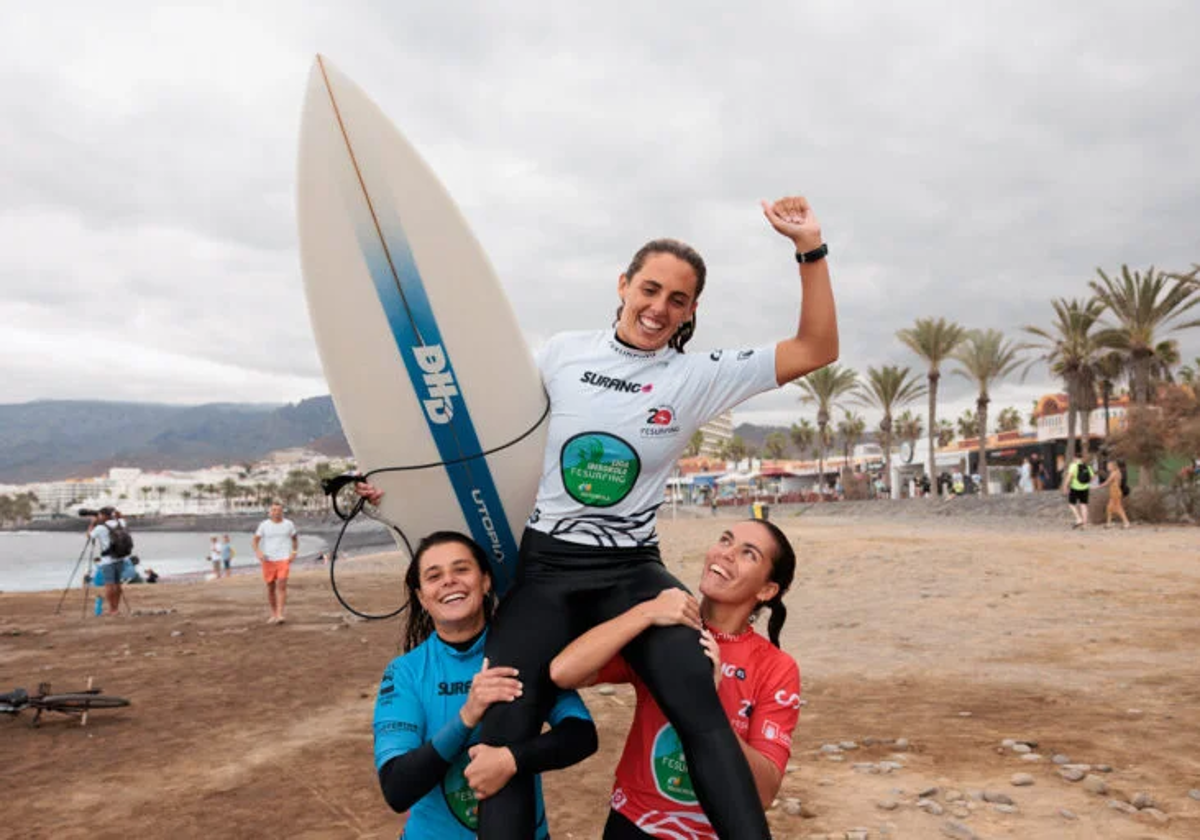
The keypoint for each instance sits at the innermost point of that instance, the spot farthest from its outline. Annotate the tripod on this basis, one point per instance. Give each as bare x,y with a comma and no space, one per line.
87,544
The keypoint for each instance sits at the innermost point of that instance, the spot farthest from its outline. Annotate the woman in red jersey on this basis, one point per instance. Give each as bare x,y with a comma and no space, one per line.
750,567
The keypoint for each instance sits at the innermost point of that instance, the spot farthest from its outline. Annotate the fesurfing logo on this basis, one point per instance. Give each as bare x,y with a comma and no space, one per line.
598,469
669,767
660,421
439,383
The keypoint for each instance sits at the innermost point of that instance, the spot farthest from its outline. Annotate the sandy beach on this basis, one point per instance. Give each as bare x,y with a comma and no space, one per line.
924,643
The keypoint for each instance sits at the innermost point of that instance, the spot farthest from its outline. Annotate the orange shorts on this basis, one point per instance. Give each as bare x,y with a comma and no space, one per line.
274,570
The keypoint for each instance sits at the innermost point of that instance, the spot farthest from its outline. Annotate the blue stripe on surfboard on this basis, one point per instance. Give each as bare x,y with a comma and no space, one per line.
414,326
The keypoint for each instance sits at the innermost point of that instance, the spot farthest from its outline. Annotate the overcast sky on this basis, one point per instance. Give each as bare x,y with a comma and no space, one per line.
967,160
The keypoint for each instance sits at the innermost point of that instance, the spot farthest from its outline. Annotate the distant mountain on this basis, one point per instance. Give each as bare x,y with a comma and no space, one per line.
756,437
55,439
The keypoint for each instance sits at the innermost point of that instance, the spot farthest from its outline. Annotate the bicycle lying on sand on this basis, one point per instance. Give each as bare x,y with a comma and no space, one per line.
67,703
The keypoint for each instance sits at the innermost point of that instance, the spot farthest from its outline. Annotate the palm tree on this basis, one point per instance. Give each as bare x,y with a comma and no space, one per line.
968,424
935,341
186,494
985,358
886,389
1189,374
776,445
229,489
945,432
1165,357
823,387
736,449
851,428
1008,420
695,444
1071,350
1141,306
1109,368
910,427
803,435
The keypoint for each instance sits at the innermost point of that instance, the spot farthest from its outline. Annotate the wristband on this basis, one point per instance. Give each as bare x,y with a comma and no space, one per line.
813,255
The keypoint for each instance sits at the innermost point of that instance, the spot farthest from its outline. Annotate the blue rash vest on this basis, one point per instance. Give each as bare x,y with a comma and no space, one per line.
419,699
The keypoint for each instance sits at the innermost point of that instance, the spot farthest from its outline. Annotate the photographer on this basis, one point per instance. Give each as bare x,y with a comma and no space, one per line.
112,538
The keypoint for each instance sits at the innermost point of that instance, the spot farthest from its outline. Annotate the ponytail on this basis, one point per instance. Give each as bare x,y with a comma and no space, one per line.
783,571
778,617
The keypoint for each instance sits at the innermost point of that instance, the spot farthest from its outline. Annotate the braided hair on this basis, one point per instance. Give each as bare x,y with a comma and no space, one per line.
681,251
783,571
420,623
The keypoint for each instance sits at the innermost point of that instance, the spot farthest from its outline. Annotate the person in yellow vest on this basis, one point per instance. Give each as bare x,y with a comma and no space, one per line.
1079,479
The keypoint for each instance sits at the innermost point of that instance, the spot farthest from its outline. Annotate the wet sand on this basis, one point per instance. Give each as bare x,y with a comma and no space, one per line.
951,633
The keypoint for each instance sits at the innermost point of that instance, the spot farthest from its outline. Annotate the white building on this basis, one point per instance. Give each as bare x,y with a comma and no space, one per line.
717,432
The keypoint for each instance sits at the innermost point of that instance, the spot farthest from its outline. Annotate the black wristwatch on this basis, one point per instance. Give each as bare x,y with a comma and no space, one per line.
813,255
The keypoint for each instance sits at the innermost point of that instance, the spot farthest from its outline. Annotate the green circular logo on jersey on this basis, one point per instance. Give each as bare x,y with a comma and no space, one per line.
669,767
599,469
460,799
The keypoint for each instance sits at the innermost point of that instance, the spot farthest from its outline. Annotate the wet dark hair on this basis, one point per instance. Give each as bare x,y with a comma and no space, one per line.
689,255
420,623
783,571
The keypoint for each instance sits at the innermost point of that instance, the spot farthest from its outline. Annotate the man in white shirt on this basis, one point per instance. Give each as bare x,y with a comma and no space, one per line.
275,545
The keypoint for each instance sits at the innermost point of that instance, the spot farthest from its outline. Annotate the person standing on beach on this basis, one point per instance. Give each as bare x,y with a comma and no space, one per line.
214,555
108,529
1025,481
227,555
1079,480
1116,494
275,545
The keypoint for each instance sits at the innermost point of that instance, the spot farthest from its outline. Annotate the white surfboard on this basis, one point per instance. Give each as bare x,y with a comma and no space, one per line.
420,347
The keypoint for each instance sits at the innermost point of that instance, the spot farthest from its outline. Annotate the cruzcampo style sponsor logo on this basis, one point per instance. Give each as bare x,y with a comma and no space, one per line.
599,469
460,799
669,767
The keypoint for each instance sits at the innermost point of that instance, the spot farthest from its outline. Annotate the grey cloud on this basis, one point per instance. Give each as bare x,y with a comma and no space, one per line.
963,162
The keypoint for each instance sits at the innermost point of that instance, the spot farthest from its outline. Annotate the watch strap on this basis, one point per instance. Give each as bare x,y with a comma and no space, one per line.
813,255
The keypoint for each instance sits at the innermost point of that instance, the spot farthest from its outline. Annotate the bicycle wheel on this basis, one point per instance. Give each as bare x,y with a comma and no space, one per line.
80,702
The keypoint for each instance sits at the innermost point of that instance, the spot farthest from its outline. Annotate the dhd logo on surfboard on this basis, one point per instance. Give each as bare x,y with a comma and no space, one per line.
439,383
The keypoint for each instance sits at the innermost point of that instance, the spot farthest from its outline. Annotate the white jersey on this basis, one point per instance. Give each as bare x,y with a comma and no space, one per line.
619,420
275,539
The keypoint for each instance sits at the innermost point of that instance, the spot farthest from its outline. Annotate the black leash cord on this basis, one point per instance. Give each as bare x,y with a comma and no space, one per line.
331,486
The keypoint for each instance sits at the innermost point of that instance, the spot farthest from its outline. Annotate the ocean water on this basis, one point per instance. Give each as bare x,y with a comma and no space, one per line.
37,560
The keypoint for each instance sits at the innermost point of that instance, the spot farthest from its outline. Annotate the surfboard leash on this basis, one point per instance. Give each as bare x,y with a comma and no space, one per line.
333,486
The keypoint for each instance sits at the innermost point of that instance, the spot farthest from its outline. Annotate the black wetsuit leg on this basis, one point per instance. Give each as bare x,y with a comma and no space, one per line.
531,626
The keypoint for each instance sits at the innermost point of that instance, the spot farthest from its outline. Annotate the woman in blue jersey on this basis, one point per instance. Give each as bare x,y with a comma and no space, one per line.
432,697
623,404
